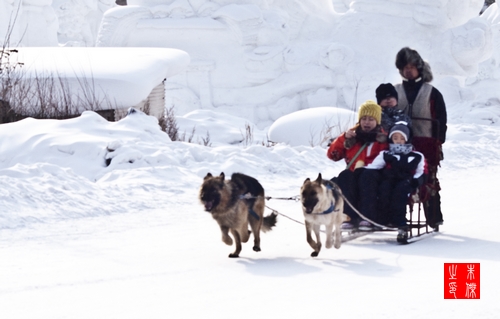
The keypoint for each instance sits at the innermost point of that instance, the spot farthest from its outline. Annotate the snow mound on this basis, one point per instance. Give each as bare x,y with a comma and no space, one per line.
315,126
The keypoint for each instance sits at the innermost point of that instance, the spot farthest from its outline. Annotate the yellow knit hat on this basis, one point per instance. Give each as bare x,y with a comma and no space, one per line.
370,108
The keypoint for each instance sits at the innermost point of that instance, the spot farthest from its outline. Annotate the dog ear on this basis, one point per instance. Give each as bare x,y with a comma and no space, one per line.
222,176
319,179
307,180
208,176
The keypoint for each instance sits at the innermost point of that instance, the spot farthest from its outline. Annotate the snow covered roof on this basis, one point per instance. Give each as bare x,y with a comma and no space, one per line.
124,76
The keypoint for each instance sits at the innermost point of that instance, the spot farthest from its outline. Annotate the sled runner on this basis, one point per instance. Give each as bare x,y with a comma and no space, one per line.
418,228
412,235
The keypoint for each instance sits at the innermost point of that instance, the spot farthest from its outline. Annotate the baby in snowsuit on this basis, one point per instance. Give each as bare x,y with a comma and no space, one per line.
403,172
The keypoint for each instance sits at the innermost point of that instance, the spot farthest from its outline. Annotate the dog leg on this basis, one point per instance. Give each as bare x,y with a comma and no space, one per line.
244,233
225,235
337,234
317,232
237,239
314,245
256,223
329,235
339,219
337,241
255,226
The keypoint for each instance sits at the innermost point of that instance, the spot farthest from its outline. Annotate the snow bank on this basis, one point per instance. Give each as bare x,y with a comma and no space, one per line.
315,126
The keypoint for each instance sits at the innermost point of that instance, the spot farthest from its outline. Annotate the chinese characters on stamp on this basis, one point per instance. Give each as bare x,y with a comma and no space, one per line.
461,281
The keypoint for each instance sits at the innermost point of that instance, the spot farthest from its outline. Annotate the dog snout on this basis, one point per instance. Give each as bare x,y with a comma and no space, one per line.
208,205
309,205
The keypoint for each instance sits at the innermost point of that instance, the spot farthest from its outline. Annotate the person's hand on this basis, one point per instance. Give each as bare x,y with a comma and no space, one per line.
350,134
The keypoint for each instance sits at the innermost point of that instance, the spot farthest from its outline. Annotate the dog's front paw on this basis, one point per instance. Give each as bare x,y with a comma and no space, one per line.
315,254
233,255
256,248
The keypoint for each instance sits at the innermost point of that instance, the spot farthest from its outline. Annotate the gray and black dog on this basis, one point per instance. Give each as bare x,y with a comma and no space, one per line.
235,204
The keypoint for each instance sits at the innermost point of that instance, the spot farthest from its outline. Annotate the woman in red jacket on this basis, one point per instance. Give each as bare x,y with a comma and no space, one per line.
358,146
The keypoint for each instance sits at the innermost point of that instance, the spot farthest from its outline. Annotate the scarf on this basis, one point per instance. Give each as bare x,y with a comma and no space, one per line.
400,148
366,137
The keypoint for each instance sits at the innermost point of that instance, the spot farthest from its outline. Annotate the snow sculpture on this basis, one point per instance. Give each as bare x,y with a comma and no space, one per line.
7,15
252,48
38,15
458,51
449,34
31,22
79,20
52,22
260,59
338,58
490,69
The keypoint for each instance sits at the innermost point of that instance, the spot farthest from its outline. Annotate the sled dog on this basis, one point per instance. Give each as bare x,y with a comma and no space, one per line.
322,204
235,204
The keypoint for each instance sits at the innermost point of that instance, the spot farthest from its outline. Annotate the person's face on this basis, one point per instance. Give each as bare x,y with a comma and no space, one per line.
398,138
389,102
367,123
410,72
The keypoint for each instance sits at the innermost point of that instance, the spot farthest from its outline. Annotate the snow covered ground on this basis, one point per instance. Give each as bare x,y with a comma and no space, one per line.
80,239
102,220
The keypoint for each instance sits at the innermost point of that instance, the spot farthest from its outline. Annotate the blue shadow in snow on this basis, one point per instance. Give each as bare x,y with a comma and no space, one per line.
289,267
277,267
442,245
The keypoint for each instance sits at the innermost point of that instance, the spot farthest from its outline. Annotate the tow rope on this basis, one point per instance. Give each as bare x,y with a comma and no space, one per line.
329,210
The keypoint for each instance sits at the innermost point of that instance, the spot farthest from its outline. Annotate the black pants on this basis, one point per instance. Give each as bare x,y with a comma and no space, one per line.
429,192
432,200
348,183
393,199
368,187
383,199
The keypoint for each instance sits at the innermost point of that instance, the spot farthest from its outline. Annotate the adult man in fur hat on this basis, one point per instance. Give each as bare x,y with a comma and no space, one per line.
425,106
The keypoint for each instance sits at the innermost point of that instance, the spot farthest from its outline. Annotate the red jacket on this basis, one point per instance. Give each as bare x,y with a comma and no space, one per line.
342,148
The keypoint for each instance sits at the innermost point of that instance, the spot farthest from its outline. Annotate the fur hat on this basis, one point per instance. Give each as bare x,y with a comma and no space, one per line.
370,108
410,56
384,91
401,128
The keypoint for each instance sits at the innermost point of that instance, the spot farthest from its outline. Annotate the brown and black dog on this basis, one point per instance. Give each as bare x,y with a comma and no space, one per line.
322,204
235,204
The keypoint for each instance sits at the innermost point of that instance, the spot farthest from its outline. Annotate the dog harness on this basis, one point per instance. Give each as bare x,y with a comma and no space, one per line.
332,206
250,210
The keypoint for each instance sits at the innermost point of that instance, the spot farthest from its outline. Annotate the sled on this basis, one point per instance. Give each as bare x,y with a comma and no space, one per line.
418,228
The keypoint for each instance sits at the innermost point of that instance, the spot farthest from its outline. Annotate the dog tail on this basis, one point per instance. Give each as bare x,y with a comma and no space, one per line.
269,222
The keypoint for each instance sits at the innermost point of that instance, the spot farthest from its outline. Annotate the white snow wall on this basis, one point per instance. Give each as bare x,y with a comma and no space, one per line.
261,59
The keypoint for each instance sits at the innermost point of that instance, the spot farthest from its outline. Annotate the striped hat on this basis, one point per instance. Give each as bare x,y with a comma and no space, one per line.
400,127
